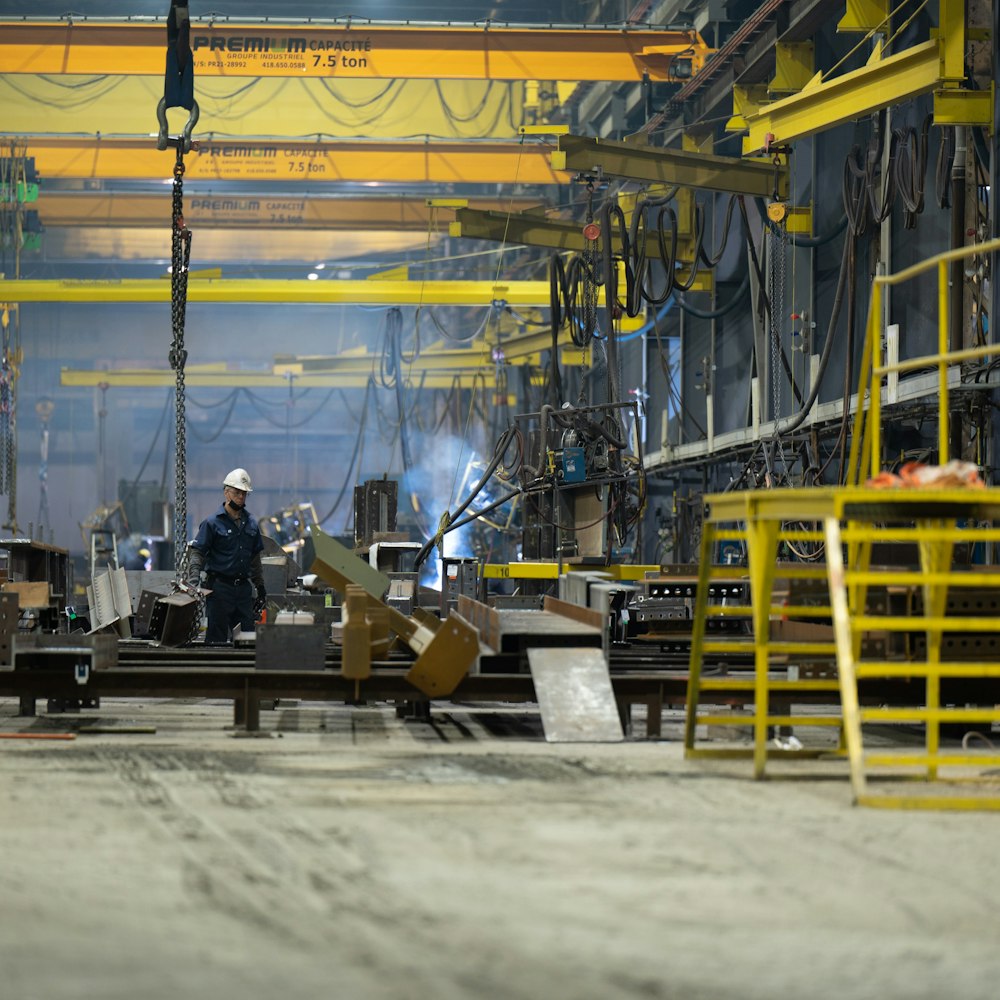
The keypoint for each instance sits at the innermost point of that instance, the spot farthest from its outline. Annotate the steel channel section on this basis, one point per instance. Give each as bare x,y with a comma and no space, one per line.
701,171
386,683
197,673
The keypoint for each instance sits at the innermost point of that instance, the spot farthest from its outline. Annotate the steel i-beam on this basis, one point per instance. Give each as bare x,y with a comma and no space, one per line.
701,171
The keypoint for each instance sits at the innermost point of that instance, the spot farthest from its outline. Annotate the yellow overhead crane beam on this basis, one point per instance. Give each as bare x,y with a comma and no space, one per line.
557,234
821,106
438,366
936,65
655,165
145,210
220,377
518,349
300,160
349,292
356,49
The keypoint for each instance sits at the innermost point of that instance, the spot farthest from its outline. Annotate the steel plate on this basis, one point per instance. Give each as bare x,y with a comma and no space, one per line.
574,693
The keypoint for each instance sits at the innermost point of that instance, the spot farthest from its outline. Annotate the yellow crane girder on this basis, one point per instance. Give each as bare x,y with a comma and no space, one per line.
221,377
356,49
292,162
487,352
343,292
539,231
935,65
149,210
821,106
684,168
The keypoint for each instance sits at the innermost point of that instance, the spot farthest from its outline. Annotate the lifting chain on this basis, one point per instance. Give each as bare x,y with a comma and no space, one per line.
777,275
180,256
591,255
779,246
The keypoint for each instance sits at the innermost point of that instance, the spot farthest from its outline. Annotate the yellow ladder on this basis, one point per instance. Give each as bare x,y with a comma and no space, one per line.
929,520
758,519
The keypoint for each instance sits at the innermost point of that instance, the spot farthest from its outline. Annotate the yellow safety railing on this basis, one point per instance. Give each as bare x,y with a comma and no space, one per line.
780,636
949,629
866,441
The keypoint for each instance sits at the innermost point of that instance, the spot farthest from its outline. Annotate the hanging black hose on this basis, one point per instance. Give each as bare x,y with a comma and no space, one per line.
789,424
942,172
557,285
911,169
573,298
436,540
448,519
854,192
699,236
635,250
390,376
881,190
723,310
711,260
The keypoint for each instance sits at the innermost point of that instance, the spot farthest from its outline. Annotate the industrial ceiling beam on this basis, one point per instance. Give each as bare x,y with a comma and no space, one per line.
702,171
362,363
238,251
221,378
292,162
337,51
150,209
484,353
539,231
371,292
822,105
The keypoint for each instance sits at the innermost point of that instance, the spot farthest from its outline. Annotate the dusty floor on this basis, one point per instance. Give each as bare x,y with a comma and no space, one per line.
360,856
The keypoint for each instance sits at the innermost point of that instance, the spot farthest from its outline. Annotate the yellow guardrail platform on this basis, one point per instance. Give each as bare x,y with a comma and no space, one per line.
848,521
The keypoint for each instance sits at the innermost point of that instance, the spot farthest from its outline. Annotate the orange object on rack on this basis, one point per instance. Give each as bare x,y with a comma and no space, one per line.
955,474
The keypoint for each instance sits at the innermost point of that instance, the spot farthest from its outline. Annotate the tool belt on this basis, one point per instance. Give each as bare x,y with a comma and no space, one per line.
234,580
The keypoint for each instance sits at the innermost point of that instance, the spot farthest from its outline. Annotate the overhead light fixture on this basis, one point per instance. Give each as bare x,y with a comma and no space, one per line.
312,276
320,266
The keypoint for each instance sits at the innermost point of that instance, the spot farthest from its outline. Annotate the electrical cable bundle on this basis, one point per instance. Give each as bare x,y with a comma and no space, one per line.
911,167
390,371
573,297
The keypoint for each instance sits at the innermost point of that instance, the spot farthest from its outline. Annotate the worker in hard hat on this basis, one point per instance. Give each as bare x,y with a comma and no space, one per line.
138,560
227,549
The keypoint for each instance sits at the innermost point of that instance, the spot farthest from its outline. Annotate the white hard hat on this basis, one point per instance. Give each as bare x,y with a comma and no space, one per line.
239,479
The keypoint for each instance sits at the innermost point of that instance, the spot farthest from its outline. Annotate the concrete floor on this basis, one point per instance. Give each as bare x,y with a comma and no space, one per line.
350,854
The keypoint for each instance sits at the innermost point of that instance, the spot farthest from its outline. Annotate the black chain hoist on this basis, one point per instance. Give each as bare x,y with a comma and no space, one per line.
178,91
180,258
